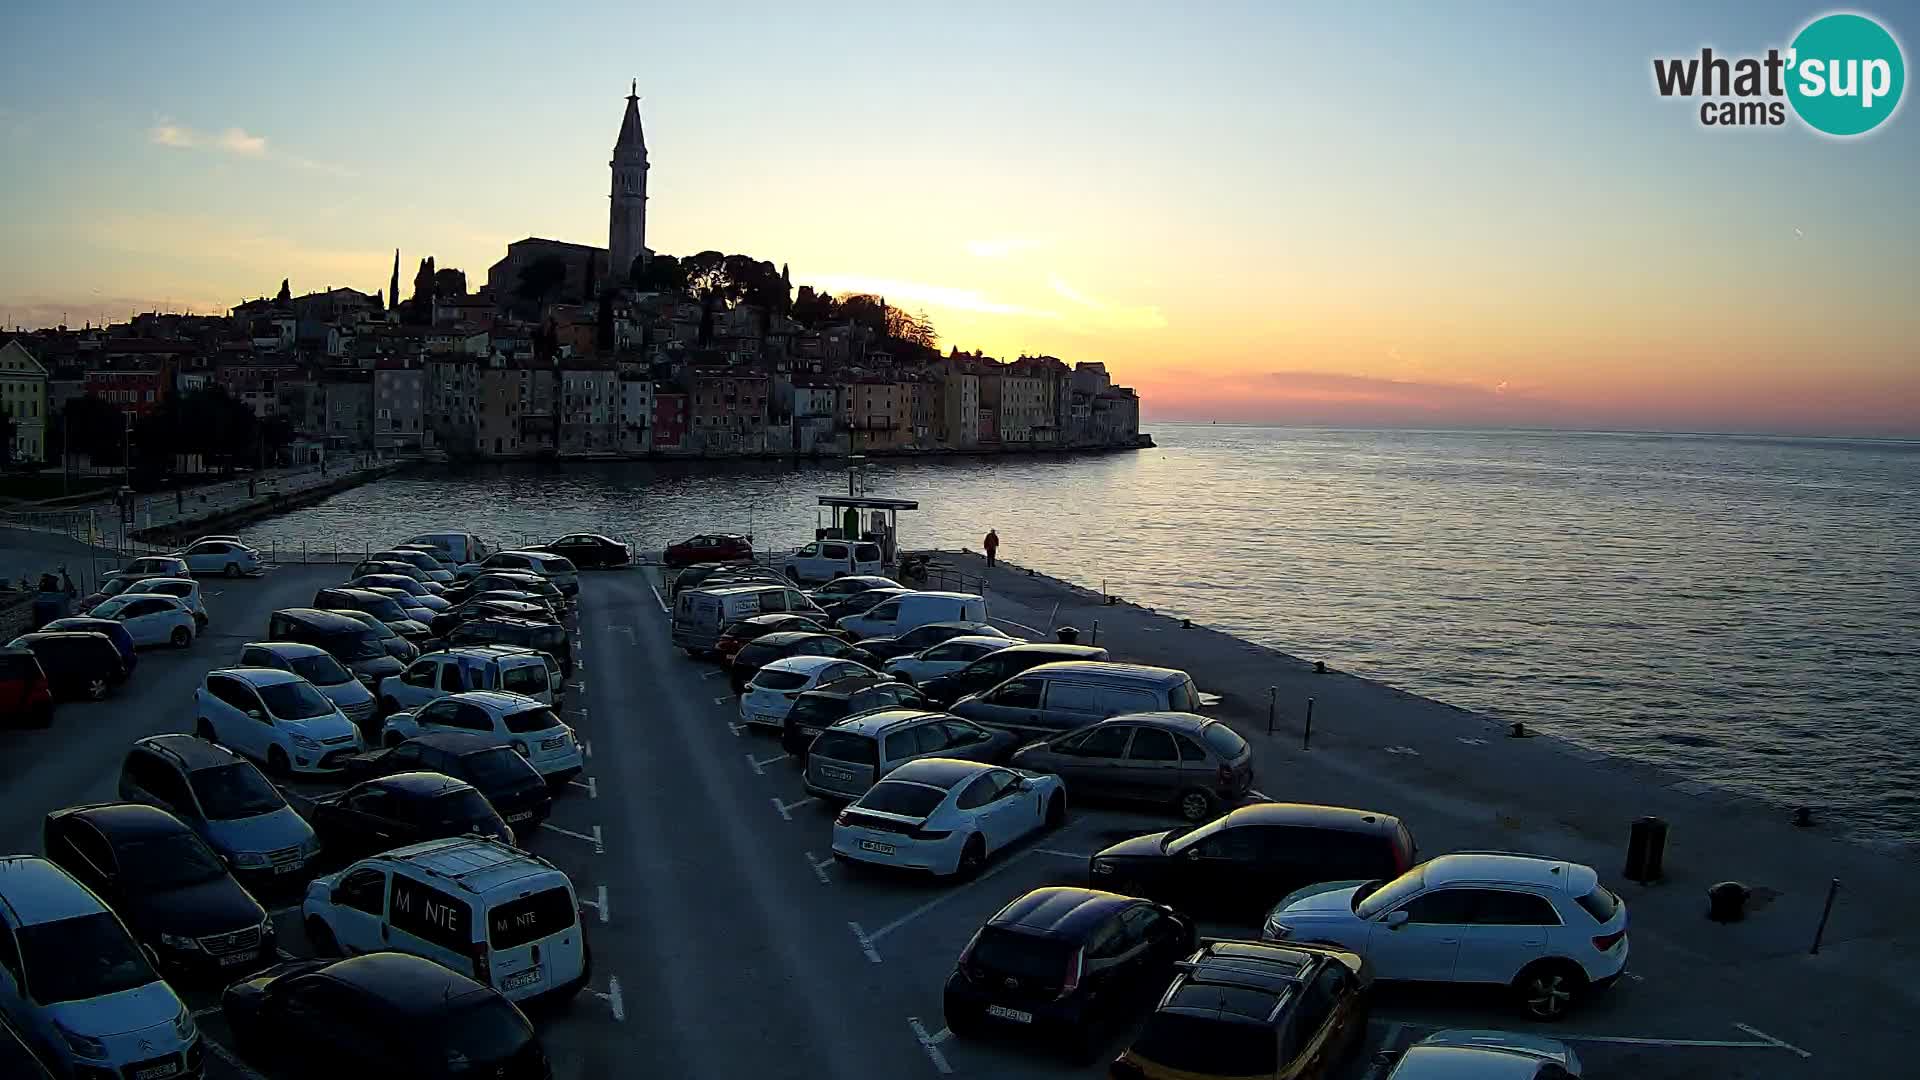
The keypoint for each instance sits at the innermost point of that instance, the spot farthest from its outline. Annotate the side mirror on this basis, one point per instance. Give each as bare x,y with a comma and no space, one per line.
1385,1058
1193,852
1396,919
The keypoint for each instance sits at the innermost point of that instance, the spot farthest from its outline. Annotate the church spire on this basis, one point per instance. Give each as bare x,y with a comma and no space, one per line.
631,137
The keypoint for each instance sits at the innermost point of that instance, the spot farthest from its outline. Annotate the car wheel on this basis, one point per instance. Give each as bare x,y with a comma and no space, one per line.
203,730
181,637
277,762
793,575
233,569
1195,806
1056,811
1548,989
96,689
972,858
324,943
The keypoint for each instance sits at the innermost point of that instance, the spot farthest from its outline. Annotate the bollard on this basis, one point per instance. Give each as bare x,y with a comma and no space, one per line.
1833,890
1273,699
1306,736
1067,635
1727,902
1646,851
1096,633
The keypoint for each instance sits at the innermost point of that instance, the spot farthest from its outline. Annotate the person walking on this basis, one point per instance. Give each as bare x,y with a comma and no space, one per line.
992,544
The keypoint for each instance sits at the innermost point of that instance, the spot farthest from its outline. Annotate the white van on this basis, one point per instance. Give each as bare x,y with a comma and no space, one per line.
824,560
455,547
891,618
700,614
507,918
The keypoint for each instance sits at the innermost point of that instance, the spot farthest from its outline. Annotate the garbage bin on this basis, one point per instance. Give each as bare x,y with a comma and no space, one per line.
1067,635
1727,902
1647,851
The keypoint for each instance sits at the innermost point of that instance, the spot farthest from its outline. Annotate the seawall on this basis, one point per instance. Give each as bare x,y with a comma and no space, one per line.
189,525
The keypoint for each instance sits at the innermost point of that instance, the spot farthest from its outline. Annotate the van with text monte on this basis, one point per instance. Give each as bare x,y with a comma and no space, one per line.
700,614
508,919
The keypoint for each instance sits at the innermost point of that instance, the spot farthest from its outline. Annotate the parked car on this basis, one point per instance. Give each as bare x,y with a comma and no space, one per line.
415,607
1496,1055
1256,854
467,667
510,581
893,618
708,548
845,760
946,816
150,619
507,780
1544,927
436,571
522,723
746,630
1188,762
452,548
396,646
841,588
148,566
345,634
420,594
522,633
385,608
317,666
1244,1010
174,892
275,717
857,603
1069,695
473,904
824,560
948,656
77,985
816,710
78,666
589,550
110,587
26,697
186,590
926,636
229,557
554,568
223,799
1067,964
515,605
699,616
786,645
739,573
405,808
381,1014
771,693
398,568
18,1060
116,632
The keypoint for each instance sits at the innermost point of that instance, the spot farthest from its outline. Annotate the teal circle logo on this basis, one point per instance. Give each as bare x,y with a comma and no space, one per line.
1845,74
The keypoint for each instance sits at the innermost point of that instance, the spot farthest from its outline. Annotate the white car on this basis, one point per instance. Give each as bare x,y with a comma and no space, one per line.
150,619
151,566
184,589
275,717
468,667
1486,1055
1546,928
530,728
220,556
824,560
950,655
435,570
770,694
418,592
946,816
555,568
317,666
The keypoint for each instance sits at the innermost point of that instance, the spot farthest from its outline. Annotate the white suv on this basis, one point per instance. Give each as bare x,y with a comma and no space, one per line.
73,981
514,720
1546,928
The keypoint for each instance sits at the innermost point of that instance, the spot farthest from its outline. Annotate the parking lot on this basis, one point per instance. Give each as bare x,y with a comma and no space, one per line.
728,943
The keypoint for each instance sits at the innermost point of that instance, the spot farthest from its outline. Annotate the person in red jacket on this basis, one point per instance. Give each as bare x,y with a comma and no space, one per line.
992,544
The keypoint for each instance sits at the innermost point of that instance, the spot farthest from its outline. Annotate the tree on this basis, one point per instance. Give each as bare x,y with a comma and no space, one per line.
539,278
94,428
662,273
707,279
914,330
812,308
7,430
863,309
423,285
286,292
449,283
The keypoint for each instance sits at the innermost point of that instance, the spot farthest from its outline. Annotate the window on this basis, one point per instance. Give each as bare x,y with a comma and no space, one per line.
1225,741
1444,907
421,674
1189,750
1152,744
437,714
1075,697
901,744
450,678
1107,941
961,733
520,922
1501,908
887,612
1600,903
979,792
1238,844
1018,694
929,739
410,754
91,847
1105,741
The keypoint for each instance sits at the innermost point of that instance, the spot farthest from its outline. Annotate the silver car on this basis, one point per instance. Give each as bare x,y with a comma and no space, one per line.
854,754
1192,763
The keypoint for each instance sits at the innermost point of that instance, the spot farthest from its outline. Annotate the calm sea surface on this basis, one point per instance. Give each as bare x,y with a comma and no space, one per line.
1743,610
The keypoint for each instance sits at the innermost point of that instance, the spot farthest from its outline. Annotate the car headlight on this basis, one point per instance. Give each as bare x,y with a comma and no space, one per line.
251,859
305,743
183,1025
178,941
1102,866
1276,930
85,1046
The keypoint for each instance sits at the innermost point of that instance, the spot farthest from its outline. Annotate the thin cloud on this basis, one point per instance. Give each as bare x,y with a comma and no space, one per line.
1109,316
235,142
999,248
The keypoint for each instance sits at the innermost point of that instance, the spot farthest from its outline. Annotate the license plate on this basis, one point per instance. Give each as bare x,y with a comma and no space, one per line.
157,1071
1014,1015
237,959
286,868
876,847
526,815
521,979
832,773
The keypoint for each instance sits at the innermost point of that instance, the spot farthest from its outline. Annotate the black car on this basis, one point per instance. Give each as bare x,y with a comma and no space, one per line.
1245,861
510,784
765,650
829,703
114,630
80,665
1065,963
588,550
405,808
841,588
381,1014
516,580
174,893
547,637
385,608
926,637
858,603
997,667
514,605
735,635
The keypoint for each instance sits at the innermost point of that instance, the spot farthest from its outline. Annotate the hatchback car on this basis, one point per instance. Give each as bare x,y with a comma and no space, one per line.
818,709
786,645
588,550
78,666
514,580
346,635
418,595
508,782
521,723
708,548
520,633
1181,760
738,635
395,646
381,1014
184,589
1545,928
857,603
317,666
274,717
771,693
1254,855
1248,1010
26,697
223,799
948,656
222,556
385,608
151,566
376,565
997,667
851,585
150,619
116,632
404,808
76,984
711,575
846,759
946,816
556,569
175,892
926,636
435,570
1485,1055
1065,963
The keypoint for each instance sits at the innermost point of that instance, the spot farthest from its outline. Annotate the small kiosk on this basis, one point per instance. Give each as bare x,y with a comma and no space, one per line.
862,517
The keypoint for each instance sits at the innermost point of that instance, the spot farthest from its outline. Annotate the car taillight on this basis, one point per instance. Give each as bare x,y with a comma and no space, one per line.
1071,981
1606,942
482,968
842,818
1225,776
929,834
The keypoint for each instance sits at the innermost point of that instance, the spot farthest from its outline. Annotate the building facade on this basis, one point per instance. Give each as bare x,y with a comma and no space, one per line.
23,396
399,405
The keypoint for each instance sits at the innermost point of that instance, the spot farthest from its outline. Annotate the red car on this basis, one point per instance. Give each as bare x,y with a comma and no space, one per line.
708,548
25,697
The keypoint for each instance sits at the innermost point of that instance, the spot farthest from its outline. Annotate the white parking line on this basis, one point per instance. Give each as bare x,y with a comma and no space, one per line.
1782,1044
760,766
227,1056
599,906
664,609
786,809
592,786
866,943
586,747
613,999
820,868
929,1044
1062,854
290,909
202,1014
723,700
599,848
576,684
736,727
1724,1044
713,673
949,894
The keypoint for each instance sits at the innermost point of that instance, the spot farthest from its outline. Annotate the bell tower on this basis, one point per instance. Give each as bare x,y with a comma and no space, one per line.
627,212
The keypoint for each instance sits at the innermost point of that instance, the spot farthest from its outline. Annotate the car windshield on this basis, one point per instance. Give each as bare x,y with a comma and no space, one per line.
1224,740
1369,902
110,609
846,746
475,1037
87,956
818,709
384,608
165,861
559,565
321,670
527,721
1600,903
360,646
117,586
498,769
234,791
1208,1046
1027,956
897,797
294,700
773,679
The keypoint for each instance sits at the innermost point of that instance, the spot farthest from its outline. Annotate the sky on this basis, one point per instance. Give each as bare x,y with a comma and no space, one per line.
1410,215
